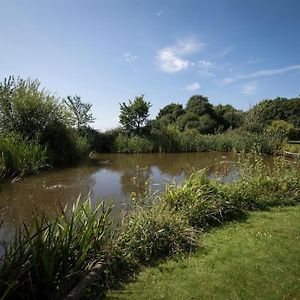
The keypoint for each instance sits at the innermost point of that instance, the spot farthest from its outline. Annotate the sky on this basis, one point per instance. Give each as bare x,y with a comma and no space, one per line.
231,51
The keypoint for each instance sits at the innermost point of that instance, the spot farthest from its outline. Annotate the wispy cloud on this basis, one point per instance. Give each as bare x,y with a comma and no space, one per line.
206,67
171,59
249,88
261,73
159,13
193,87
225,51
130,57
252,61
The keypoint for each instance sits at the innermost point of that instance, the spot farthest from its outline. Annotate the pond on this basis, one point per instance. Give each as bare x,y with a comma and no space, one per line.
106,176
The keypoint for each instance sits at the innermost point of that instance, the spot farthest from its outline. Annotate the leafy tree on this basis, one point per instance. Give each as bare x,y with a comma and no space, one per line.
133,116
278,109
80,112
279,128
207,124
228,116
27,109
199,105
171,112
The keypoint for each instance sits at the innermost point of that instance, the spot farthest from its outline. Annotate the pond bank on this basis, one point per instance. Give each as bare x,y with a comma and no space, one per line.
255,259
58,252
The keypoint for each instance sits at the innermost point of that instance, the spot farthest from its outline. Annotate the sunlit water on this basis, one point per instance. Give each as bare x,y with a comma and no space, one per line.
106,176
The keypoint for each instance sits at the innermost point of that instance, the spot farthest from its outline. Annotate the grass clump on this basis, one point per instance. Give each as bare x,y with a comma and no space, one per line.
154,233
49,257
19,155
133,144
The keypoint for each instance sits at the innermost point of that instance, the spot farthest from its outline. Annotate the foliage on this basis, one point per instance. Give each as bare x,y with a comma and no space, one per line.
27,109
152,233
19,156
134,115
134,144
80,112
48,257
170,139
278,109
280,129
199,105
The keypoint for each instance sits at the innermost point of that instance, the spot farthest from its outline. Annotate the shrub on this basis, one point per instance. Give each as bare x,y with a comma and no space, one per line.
19,156
133,144
154,233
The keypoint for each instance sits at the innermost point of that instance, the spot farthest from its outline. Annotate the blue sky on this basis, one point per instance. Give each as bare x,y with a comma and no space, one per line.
233,51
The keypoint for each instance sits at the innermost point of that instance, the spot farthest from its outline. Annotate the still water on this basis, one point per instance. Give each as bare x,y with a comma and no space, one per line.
106,176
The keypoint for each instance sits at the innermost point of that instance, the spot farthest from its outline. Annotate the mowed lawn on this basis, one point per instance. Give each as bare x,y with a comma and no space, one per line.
258,258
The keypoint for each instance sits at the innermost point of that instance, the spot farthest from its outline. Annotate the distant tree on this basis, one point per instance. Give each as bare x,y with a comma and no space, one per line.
207,124
80,112
199,105
172,111
133,116
278,109
228,116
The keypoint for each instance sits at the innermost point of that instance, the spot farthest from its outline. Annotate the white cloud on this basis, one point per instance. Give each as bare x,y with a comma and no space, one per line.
193,87
206,63
171,60
159,13
130,57
261,73
249,88
205,68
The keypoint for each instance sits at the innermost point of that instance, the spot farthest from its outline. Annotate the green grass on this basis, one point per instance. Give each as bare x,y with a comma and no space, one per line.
255,259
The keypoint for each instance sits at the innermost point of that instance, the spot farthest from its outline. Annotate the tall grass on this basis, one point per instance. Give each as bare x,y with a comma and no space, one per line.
47,258
19,155
133,144
172,140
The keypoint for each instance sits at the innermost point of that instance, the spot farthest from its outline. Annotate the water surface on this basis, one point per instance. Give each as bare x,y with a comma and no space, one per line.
105,176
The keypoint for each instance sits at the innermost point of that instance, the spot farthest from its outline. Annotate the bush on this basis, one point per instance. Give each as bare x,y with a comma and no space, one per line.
154,233
19,156
133,144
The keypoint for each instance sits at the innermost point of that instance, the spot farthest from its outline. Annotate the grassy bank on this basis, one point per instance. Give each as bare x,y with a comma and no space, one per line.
50,257
255,259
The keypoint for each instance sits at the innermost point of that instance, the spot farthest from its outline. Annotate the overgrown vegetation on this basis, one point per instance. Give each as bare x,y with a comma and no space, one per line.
49,258
36,127
60,128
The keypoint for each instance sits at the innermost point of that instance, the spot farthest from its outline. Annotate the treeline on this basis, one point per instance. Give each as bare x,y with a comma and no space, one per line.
201,126
39,130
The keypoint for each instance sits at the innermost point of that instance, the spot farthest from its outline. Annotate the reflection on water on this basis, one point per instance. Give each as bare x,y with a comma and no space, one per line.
106,176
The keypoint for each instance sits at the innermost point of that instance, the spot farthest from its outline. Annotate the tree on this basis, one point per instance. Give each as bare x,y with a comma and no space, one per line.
172,111
199,105
80,112
27,109
133,116
228,116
